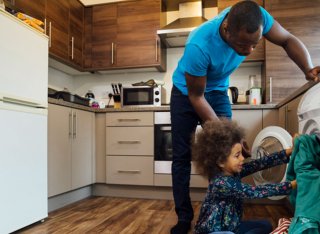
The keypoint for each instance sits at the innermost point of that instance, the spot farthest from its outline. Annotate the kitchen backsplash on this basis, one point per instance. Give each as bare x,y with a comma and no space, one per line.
100,84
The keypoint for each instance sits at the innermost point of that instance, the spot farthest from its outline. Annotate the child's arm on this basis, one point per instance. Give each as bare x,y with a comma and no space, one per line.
234,188
265,162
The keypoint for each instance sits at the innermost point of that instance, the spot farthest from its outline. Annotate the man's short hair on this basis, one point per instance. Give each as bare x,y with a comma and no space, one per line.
245,15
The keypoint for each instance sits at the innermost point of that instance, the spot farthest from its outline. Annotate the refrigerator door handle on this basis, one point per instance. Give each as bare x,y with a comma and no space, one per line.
74,125
70,124
18,101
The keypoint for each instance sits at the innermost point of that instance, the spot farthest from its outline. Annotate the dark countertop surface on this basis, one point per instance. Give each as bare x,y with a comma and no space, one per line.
297,93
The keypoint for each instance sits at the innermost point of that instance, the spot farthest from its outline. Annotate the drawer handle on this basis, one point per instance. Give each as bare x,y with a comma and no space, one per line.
130,171
129,142
129,120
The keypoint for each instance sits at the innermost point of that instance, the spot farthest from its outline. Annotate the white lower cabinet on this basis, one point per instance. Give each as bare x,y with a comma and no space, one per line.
70,149
129,148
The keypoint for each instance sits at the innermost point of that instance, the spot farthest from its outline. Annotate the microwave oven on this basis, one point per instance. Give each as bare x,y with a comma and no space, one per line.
140,96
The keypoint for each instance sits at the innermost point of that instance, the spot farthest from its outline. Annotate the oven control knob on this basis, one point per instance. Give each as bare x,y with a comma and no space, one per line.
156,92
157,99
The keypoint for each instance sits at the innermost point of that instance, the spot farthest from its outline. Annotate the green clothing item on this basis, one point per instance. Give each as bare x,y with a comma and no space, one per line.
304,167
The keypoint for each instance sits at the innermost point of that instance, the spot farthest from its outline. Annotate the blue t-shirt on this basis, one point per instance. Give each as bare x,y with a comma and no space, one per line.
207,54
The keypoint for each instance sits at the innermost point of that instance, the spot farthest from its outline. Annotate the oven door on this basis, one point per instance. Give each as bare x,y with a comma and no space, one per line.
163,149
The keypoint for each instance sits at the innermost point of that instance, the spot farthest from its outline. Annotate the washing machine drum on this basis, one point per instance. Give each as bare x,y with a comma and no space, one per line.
270,140
309,111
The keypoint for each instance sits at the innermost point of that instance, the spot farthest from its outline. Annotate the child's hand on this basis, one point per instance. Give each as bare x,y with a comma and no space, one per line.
294,184
289,151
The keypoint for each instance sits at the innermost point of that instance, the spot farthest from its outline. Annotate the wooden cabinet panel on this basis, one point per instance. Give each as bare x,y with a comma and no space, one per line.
57,17
301,19
124,35
35,9
137,41
76,31
104,32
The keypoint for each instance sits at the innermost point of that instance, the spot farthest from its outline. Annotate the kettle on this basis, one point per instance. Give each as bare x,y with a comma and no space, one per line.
233,94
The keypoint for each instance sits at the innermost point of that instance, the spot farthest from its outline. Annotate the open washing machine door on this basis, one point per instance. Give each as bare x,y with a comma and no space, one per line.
269,140
309,111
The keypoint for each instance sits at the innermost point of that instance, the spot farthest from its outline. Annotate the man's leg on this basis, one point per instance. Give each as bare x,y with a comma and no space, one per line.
183,121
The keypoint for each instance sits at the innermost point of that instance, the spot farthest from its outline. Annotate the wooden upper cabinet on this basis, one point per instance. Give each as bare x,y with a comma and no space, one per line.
76,32
104,36
35,9
259,53
137,40
124,35
301,18
57,20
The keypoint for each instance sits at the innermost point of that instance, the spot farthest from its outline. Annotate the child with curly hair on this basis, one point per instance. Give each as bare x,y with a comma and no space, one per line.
217,153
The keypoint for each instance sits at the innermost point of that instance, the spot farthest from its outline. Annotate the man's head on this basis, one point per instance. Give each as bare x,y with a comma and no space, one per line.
242,28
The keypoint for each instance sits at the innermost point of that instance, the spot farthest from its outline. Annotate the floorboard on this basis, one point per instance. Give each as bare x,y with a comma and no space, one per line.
126,216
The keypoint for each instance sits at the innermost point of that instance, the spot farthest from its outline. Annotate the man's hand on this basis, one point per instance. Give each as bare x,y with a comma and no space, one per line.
246,152
294,184
313,74
290,150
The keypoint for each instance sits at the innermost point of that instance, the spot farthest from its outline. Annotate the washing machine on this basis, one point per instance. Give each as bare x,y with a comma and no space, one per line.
273,139
309,111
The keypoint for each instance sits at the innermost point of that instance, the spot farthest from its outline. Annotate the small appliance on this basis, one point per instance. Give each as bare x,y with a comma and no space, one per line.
233,94
140,96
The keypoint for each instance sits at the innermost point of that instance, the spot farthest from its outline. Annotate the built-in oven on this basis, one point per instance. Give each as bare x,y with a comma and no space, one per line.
163,143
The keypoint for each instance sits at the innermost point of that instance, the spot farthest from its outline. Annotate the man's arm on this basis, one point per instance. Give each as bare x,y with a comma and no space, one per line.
196,86
295,49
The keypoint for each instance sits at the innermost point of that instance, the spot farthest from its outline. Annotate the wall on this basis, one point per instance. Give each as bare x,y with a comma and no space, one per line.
100,84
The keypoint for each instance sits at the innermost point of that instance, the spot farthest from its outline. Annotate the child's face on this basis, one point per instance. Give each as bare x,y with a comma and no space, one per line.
234,161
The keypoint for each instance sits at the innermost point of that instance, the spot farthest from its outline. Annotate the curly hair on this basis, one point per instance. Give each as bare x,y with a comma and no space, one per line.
212,145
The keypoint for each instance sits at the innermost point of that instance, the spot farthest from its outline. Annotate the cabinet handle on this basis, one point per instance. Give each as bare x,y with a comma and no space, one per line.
270,87
45,26
129,120
112,58
130,171
72,47
70,124
129,142
49,34
74,125
157,49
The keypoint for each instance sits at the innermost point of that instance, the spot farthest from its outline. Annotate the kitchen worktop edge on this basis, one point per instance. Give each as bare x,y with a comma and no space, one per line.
152,108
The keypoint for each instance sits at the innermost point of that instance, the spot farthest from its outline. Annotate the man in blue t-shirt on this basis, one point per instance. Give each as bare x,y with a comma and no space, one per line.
200,82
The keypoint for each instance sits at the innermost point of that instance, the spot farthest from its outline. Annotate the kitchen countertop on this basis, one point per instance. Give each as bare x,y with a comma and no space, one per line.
297,93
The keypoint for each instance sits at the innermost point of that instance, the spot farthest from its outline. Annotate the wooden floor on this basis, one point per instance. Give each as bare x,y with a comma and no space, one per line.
123,215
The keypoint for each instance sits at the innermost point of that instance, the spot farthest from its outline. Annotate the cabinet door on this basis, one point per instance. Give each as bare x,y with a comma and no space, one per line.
57,17
76,32
292,123
301,19
82,148
104,31
270,118
251,121
258,53
35,9
59,150
137,41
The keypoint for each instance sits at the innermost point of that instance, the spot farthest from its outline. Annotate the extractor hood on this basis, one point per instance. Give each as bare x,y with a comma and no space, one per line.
176,33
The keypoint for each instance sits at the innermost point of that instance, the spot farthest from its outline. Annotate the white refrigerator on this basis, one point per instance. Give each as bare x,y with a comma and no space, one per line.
23,124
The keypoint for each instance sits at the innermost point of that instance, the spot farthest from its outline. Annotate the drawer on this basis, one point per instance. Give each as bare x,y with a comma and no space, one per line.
129,119
130,141
132,170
